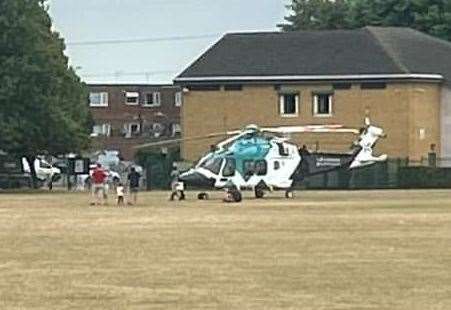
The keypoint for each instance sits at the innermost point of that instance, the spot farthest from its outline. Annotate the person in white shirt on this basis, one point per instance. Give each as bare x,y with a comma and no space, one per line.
120,194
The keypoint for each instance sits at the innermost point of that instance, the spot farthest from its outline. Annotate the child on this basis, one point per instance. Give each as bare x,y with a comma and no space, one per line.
120,194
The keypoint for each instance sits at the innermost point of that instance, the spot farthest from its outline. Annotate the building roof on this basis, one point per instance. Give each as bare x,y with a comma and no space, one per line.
370,52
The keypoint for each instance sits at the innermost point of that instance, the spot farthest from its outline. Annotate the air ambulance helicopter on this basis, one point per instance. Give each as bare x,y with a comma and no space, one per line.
263,158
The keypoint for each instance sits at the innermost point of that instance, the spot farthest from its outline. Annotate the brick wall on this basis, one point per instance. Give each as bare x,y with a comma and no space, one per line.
118,114
402,109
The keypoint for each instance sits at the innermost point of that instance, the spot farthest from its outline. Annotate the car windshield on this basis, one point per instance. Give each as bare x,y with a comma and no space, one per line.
213,165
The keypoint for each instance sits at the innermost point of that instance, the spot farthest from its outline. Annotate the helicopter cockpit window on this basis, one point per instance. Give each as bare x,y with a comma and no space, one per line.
261,167
213,165
248,167
282,150
229,168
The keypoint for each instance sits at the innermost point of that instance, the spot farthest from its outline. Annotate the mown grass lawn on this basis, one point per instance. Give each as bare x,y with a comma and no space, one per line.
322,250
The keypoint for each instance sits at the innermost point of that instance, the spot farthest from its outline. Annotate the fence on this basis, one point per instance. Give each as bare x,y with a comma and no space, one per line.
392,174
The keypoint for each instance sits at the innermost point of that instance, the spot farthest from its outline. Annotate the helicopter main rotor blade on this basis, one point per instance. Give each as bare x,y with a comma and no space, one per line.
311,129
178,141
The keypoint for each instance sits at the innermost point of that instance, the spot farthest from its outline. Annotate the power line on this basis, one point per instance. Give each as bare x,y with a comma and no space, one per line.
144,40
122,73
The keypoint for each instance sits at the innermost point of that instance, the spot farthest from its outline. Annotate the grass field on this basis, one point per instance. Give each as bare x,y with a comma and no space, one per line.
323,250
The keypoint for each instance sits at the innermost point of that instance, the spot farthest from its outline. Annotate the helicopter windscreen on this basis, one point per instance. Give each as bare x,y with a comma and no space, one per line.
213,165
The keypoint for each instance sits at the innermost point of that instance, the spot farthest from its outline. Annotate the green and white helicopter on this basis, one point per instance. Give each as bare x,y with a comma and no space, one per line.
264,159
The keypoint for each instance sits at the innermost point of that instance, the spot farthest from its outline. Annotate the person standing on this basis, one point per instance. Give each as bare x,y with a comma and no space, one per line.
133,183
120,194
177,187
98,178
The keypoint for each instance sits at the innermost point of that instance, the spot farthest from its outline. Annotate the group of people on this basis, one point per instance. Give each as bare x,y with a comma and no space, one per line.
99,179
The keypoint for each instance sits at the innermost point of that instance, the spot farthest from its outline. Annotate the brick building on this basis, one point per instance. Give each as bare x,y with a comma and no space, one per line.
129,115
400,77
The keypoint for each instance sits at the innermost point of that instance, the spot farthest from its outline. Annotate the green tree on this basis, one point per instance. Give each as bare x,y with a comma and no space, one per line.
429,16
42,101
316,15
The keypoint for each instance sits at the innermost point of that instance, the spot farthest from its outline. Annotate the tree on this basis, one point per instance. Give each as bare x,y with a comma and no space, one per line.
429,16
42,101
316,15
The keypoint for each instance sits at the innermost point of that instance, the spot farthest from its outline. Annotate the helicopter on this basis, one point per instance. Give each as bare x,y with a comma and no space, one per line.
263,158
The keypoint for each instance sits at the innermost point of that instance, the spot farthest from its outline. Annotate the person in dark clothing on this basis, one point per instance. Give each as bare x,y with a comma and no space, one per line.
133,183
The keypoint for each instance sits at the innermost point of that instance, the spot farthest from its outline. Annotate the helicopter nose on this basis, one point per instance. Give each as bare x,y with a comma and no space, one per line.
196,179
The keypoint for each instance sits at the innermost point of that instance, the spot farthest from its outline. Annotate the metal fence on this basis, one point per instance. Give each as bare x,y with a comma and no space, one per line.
392,174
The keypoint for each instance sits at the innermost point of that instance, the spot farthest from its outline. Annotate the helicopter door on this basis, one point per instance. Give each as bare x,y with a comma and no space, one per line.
227,171
251,168
229,168
261,167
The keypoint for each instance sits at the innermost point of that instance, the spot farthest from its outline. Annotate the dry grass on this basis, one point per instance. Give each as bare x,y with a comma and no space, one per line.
324,250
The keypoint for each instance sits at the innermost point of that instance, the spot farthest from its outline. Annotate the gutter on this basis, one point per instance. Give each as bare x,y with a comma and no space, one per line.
406,76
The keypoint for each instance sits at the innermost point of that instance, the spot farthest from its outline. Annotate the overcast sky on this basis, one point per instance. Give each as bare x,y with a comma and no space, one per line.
81,21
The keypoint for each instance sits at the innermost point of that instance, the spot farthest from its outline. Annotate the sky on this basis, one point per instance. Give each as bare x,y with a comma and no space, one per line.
152,61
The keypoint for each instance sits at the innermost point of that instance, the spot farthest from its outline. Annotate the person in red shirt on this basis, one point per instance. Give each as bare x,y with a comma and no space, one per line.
98,179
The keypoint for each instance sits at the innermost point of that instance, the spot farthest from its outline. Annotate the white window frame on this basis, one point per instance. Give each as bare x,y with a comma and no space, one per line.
282,105
316,105
103,100
178,99
158,130
128,126
176,129
132,95
156,100
105,130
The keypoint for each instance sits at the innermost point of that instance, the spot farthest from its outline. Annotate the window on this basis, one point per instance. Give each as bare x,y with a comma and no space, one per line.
157,130
237,87
248,167
101,130
282,150
176,130
261,167
373,85
131,98
322,104
213,165
132,129
229,168
289,105
98,99
178,99
153,99
276,165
